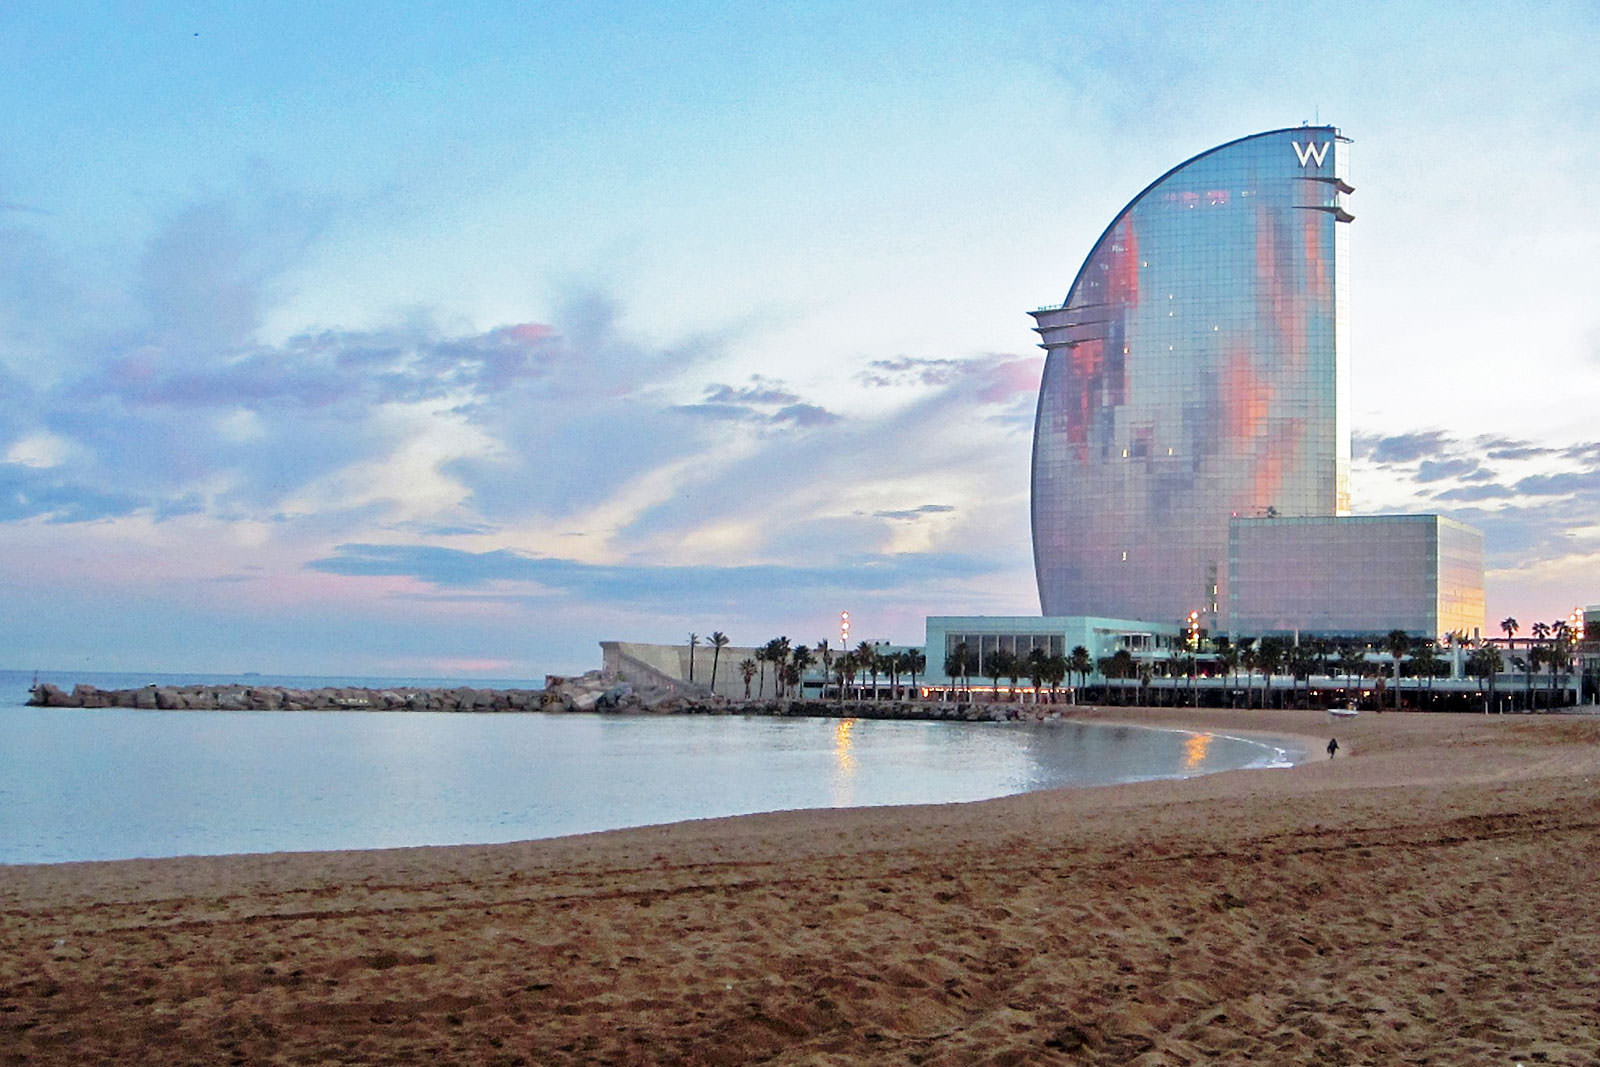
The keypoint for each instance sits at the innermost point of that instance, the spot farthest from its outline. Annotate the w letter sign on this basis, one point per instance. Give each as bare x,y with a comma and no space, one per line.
1311,152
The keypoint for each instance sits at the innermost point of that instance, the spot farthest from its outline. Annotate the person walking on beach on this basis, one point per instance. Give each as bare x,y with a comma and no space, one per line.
1333,746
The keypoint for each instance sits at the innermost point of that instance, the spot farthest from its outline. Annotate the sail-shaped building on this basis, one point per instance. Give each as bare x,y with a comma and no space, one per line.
1198,370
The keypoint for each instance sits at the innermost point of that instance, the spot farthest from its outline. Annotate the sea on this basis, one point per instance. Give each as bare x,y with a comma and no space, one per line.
106,784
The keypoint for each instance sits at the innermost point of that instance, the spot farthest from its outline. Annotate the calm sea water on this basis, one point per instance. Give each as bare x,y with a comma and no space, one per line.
117,784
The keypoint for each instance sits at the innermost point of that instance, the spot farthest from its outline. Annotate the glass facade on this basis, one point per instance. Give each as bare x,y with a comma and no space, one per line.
1197,371
1020,634
1354,576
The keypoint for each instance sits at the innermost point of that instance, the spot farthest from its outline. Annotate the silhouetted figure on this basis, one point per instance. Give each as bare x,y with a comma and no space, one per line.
1333,746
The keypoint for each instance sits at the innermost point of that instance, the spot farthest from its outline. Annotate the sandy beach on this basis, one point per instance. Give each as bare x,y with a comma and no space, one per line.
1432,895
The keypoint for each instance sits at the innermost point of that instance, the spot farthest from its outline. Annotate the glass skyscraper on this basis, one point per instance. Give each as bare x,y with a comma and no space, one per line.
1197,371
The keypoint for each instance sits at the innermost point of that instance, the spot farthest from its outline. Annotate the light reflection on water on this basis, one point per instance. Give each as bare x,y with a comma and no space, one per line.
844,765
103,784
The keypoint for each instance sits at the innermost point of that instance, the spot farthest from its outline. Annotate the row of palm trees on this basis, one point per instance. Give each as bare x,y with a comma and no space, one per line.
1270,656
1550,647
1037,665
790,662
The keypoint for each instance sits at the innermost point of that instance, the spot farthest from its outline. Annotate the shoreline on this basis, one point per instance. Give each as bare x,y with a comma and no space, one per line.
1428,896
1233,749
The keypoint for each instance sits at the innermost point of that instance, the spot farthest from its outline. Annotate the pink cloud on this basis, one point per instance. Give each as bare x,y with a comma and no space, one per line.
1013,378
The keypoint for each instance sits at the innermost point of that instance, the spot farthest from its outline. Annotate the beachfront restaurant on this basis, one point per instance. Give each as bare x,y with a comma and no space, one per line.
984,635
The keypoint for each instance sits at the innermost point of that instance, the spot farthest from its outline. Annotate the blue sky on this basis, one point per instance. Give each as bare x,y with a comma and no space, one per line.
454,338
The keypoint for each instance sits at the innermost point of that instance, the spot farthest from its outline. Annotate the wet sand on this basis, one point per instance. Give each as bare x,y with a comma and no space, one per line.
1430,896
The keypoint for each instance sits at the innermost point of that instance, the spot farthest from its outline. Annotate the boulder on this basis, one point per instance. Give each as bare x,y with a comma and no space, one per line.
87,696
46,695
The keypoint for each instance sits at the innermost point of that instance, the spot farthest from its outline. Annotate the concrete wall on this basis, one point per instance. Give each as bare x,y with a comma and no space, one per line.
668,666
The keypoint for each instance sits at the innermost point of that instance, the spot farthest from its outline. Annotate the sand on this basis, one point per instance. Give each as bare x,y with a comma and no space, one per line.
1430,896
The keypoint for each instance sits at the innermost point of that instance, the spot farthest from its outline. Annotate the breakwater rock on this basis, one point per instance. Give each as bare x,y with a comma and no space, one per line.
279,698
562,696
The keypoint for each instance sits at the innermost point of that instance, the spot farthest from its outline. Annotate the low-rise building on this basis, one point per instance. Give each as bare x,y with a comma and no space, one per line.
983,635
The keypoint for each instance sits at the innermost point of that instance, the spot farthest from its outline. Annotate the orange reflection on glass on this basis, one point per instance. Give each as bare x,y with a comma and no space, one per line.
1195,749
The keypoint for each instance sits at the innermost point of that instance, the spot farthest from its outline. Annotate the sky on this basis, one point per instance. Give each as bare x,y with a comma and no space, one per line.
449,340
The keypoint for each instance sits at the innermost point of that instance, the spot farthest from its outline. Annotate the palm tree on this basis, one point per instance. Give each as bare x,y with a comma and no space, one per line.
1187,663
955,664
747,668
1538,654
1119,665
1398,642
1485,664
893,664
1247,659
1509,626
825,654
694,640
1055,670
995,665
1352,661
1269,657
1015,668
952,665
719,641
1227,658
1426,661
1082,663
777,654
1221,647
846,665
1036,669
763,657
867,660
916,663
1562,639
800,658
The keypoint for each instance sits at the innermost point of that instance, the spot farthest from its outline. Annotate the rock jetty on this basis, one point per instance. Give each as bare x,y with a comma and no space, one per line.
586,693
280,698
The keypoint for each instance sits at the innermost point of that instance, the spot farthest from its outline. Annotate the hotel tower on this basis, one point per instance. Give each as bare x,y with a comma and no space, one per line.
1196,373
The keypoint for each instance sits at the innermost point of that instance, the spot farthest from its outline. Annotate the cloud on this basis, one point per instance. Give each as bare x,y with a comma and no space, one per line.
995,379
1436,470
901,372
1559,484
31,493
912,514
1401,448
1508,449
1467,494
804,415
761,390
762,403
658,586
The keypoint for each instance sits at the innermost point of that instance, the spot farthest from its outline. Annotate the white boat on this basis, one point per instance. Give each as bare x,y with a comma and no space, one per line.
1343,713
